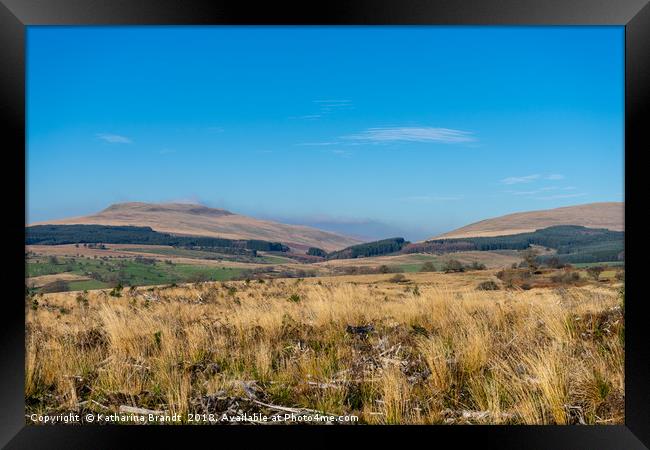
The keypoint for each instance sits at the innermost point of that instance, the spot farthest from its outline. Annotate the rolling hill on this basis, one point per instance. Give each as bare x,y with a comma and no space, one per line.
609,215
198,220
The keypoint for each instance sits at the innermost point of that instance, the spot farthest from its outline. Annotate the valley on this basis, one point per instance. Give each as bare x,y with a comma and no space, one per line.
468,330
81,256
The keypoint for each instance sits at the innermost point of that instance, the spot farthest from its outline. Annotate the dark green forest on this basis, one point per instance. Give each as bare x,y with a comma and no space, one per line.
315,251
574,244
376,248
108,234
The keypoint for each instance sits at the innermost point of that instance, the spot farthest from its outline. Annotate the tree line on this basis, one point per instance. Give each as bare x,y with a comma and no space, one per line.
110,234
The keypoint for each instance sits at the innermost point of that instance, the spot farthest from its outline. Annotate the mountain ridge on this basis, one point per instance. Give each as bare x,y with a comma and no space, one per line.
191,219
609,215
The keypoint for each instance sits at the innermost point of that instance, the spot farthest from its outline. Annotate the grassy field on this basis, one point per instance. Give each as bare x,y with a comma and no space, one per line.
429,349
602,264
202,254
103,273
413,262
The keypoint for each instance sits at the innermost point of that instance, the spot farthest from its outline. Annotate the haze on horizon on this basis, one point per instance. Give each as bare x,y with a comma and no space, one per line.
373,131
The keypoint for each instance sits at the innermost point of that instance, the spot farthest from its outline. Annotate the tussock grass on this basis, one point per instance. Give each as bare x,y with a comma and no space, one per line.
438,354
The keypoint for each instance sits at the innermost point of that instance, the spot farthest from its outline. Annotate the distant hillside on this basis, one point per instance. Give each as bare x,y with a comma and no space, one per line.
608,215
573,243
198,220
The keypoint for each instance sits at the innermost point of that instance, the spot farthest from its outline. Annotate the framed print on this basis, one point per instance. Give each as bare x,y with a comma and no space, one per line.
381,217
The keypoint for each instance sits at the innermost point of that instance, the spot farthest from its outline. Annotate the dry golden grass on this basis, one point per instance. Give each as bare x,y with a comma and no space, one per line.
442,353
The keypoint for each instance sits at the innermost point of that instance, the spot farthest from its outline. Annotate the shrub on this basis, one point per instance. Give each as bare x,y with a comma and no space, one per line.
453,265
513,277
566,277
55,286
387,269
295,298
488,286
116,291
530,259
428,267
398,278
157,339
477,266
595,271
349,270
82,299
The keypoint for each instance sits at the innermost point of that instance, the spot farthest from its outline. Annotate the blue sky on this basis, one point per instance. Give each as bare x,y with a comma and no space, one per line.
370,130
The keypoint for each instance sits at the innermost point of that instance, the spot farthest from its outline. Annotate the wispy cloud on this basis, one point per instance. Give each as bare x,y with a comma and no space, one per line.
324,108
413,134
328,106
519,180
113,138
555,176
167,151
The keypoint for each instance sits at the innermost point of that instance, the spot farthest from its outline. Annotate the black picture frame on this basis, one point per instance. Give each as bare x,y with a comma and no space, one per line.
15,15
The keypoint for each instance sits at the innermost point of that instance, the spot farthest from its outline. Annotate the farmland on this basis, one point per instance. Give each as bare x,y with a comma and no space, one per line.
99,273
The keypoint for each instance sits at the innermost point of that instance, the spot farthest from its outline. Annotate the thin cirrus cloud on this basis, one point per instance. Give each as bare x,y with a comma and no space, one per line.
519,180
114,138
325,108
412,134
533,177
328,106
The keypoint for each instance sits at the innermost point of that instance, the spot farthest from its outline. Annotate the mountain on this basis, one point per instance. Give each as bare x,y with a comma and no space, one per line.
199,220
609,215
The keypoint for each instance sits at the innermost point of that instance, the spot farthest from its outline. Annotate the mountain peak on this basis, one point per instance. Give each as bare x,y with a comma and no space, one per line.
192,219
175,207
